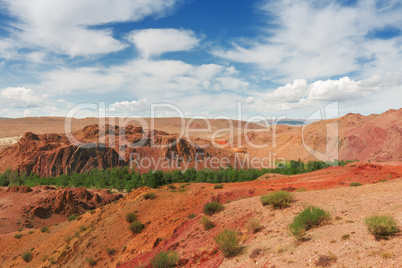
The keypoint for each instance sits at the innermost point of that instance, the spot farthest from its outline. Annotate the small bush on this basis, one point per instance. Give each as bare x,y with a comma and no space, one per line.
136,227
228,242
130,217
92,211
111,251
218,186
309,218
149,196
72,217
27,256
277,200
19,230
254,226
30,232
345,237
212,208
354,184
382,226
191,216
18,236
382,180
91,261
207,223
172,187
82,228
165,259
301,190
45,229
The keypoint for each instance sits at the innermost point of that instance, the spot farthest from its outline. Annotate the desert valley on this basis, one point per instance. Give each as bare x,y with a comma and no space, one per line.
64,226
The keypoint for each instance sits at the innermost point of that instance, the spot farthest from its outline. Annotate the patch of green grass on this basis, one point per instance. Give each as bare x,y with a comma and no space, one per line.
136,227
301,190
382,226
72,218
130,217
30,232
45,229
277,200
165,259
228,242
27,256
111,251
191,216
207,223
82,228
18,236
218,186
309,218
383,180
354,184
19,230
212,208
149,196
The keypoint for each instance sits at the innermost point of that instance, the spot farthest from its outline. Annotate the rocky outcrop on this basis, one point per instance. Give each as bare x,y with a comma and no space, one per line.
105,147
68,202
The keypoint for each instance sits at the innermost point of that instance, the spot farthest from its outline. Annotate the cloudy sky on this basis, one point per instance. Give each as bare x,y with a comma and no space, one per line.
203,56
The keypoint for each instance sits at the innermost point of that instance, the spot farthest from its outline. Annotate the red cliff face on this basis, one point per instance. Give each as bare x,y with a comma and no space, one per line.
110,146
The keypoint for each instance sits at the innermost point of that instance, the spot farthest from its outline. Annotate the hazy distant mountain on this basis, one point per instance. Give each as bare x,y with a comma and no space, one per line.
2,118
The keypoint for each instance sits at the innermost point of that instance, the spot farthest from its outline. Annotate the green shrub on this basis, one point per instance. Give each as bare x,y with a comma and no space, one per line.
149,196
277,200
130,217
354,184
136,227
82,228
165,259
212,208
228,242
382,180
91,261
254,225
45,229
191,216
207,223
30,232
19,230
72,217
307,219
172,187
111,251
218,186
27,256
382,226
18,236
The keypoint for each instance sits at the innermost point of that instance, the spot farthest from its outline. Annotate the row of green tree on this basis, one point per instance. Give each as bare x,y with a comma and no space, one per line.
124,178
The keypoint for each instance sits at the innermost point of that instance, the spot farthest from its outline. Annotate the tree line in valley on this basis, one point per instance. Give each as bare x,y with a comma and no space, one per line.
126,179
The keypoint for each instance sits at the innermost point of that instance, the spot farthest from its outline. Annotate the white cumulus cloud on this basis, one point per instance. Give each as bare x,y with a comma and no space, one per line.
154,42
64,27
20,97
290,92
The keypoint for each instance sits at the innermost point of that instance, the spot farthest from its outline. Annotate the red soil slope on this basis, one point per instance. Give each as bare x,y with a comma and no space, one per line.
167,226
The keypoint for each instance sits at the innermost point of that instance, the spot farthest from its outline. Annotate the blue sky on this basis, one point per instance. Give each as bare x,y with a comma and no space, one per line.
276,58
